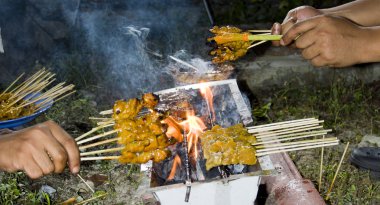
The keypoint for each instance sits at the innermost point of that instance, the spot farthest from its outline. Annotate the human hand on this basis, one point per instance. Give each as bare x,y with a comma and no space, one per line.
297,14
39,150
328,40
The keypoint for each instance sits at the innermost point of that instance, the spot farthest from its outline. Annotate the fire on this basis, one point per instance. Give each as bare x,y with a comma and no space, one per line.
193,126
176,163
206,93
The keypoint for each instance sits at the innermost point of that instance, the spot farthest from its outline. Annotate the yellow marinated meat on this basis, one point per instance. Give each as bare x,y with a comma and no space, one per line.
150,100
229,51
143,137
126,109
12,112
226,146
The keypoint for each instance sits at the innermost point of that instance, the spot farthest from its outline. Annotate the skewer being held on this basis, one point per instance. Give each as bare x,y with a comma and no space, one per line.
39,150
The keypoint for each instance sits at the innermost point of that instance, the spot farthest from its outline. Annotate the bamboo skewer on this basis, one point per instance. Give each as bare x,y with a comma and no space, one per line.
260,31
281,123
297,142
106,112
288,131
9,87
337,171
295,149
97,136
290,138
293,134
91,199
99,143
92,131
102,151
256,44
296,145
99,158
282,126
321,168
93,191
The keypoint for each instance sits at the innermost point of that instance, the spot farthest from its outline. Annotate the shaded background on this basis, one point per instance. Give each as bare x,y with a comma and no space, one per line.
118,49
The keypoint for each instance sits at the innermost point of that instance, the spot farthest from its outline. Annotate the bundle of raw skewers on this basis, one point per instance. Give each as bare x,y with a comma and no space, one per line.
231,43
30,96
146,135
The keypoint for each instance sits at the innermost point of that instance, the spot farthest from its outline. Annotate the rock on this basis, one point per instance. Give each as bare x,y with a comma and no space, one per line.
370,141
98,179
48,190
83,188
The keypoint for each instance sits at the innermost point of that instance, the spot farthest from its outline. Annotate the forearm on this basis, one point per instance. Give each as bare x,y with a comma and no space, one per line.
370,51
362,12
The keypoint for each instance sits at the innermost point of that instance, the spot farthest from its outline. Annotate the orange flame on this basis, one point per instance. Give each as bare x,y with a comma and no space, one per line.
176,163
193,126
206,93
174,129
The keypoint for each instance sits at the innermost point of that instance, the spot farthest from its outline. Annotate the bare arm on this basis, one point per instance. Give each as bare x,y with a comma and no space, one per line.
362,12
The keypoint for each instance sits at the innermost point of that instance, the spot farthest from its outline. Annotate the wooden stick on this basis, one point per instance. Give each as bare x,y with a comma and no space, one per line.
93,191
106,122
282,126
91,199
321,168
106,112
312,134
99,118
284,122
285,136
256,44
102,151
336,172
99,158
296,145
9,87
93,130
259,31
288,130
99,143
295,149
297,142
98,136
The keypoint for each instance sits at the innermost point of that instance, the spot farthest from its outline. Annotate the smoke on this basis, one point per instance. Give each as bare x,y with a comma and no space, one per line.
118,47
135,40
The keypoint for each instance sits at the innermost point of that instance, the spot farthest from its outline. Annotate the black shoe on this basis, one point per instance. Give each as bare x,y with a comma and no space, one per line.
366,158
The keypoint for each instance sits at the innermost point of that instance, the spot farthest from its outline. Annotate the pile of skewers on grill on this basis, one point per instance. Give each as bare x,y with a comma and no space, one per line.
142,137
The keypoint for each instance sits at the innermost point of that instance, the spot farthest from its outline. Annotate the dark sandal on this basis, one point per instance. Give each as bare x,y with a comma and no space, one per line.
367,158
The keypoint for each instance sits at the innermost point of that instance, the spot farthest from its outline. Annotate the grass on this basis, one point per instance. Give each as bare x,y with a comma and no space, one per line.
352,111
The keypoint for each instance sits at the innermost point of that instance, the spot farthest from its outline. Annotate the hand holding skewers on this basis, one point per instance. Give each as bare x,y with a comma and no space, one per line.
39,150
